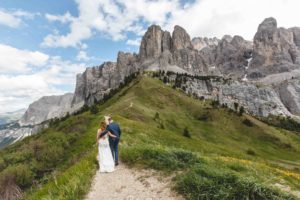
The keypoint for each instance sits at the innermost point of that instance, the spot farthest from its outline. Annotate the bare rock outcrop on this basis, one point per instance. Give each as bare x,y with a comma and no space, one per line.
46,108
199,43
180,39
275,50
94,83
151,44
232,56
289,92
259,101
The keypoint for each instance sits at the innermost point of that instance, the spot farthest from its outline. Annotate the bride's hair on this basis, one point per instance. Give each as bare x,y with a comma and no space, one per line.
103,125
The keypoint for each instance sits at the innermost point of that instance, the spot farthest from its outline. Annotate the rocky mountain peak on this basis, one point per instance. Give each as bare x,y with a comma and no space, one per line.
181,39
227,38
267,24
275,50
199,43
151,45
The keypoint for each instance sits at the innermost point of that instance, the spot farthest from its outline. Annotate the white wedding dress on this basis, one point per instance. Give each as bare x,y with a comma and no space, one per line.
106,161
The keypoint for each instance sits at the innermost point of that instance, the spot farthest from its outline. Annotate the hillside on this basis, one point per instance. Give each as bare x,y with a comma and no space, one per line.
222,155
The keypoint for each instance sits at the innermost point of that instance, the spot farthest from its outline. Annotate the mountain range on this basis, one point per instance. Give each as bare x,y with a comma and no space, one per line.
262,75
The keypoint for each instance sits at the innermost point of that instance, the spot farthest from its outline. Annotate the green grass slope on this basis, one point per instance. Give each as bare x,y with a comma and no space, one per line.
216,153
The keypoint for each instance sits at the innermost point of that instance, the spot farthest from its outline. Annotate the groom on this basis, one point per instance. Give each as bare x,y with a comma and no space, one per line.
114,128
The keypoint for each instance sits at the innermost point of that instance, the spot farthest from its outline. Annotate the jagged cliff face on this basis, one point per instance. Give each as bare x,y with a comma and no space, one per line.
199,43
275,50
95,82
259,101
265,72
45,108
289,93
259,68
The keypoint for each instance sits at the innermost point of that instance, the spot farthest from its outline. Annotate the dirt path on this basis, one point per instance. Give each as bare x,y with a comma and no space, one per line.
129,184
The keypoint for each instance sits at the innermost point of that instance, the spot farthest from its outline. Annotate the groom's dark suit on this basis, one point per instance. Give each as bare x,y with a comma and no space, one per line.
114,128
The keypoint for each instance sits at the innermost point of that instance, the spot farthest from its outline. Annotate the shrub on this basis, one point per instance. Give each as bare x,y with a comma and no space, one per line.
224,105
251,152
161,125
24,175
165,80
156,116
242,110
186,133
17,157
215,103
94,109
287,123
238,167
247,122
204,182
48,157
159,158
186,158
205,116
236,106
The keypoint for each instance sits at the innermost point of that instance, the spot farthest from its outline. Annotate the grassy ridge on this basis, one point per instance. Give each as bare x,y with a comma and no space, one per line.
222,153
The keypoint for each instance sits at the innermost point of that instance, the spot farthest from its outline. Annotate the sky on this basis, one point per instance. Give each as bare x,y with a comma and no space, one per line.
44,44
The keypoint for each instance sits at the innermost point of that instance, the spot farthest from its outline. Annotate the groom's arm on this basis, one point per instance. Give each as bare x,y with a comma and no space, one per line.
103,133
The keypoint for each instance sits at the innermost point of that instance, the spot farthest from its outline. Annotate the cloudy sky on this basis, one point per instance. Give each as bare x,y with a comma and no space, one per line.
44,44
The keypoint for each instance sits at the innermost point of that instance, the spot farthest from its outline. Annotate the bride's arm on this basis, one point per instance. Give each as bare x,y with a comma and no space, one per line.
97,136
111,135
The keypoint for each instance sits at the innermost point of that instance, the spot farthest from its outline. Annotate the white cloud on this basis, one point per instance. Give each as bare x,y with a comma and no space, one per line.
59,72
52,76
19,91
9,19
13,60
83,46
82,56
115,18
78,33
135,42
112,18
217,17
14,19
67,17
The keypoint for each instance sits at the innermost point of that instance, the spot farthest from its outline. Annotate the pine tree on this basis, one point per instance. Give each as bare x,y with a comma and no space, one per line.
242,110
94,109
186,133
236,106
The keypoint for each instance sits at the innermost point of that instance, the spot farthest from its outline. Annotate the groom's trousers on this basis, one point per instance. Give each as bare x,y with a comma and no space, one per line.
114,147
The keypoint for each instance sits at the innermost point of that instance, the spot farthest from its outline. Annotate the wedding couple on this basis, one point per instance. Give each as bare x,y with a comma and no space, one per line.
108,137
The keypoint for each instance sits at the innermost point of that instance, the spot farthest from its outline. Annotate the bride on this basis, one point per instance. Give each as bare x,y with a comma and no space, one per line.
105,158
